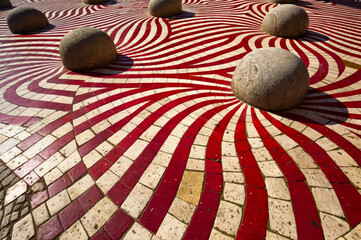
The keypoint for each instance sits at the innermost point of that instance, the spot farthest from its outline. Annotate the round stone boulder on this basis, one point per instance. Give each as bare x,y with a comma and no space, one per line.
94,2
26,19
164,8
283,1
271,79
287,21
86,48
5,4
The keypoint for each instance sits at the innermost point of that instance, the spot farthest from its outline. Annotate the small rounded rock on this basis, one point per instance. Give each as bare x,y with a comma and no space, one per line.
86,48
287,20
26,19
164,8
271,79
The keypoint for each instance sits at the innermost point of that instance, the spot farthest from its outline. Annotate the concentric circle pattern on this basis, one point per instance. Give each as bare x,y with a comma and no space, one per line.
156,146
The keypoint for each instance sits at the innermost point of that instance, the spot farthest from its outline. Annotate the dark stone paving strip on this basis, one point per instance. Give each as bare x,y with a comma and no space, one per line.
14,211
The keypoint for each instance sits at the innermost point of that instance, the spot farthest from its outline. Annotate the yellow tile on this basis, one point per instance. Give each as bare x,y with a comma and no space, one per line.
191,187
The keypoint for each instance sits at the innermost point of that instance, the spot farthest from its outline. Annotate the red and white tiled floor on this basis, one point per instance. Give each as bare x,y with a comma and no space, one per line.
155,146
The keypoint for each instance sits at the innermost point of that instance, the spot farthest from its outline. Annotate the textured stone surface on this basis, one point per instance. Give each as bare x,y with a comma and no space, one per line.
5,4
86,48
26,19
95,1
286,21
164,8
271,79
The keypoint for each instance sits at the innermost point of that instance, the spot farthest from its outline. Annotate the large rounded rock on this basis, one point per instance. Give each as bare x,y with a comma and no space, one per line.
26,19
86,48
95,1
286,21
164,8
283,1
271,79
5,4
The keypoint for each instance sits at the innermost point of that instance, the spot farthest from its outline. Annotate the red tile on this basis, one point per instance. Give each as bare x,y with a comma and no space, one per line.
28,166
256,197
50,230
213,166
114,154
29,141
49,151
253,176
202,221
39,198
77,171
245,234
71,214
242,145
162,199
101,235
333,173
119,192
255,220
59,185
350,200
291,171
31,122
90,198
307,220
98,169
214,151
213,182
246,159
118,224
312,148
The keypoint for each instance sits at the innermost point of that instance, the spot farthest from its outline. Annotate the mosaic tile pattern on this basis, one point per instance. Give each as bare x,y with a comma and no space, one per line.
155,146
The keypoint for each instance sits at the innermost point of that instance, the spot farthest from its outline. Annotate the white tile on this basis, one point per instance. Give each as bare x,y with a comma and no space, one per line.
40,214
80,186
152,176
76,231
327,201
58,202
182,210
281,218
270,169
23,229
137,232
333,227
95,218
228,218
137,200
171,228
277,188
14,192
107,181
234,193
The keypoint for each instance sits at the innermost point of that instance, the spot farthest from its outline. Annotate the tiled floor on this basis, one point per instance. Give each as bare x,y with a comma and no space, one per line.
155,146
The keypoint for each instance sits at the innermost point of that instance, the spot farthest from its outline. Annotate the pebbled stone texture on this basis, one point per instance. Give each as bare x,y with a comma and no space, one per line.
15,210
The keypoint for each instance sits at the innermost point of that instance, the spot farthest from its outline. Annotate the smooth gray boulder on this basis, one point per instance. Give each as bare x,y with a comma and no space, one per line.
86,48
164,8
26,19
271,79
283,1
288,21
94,2
5,4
